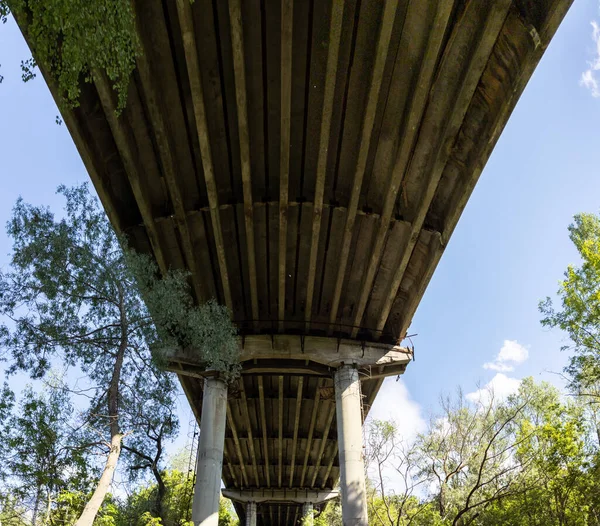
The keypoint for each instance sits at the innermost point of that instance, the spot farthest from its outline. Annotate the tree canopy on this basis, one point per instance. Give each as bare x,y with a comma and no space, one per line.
531,459
75,295
579,311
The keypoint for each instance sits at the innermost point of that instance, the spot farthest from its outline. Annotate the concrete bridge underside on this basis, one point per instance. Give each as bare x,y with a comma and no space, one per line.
307,161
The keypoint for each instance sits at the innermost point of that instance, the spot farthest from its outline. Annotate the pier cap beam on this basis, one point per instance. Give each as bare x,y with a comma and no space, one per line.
302,354
280,496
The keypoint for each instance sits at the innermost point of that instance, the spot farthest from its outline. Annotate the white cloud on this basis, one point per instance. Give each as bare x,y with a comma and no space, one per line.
512,353
500,387
590,78
501,367
394,402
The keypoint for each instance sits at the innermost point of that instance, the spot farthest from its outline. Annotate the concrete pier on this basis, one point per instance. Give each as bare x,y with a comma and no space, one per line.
205,508
349,428
251,514
307,514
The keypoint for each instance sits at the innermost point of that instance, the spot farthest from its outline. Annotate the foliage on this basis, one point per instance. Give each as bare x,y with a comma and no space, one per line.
389,457
182,459
553,464
71,296
331,514
69,505
560,487
206,329
11,511
531,459
469,454
74,39
579,315
226,513
7,402
178,504
44,453
138,510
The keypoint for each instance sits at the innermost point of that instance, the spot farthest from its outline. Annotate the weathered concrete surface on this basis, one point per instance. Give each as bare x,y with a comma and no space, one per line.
332,352
350,444
205,508
251,514
296,496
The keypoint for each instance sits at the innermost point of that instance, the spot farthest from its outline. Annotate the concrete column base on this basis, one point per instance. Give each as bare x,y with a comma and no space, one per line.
350,443
205,507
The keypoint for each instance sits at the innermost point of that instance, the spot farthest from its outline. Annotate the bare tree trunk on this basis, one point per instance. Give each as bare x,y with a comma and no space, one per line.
48,508
36,506
93,506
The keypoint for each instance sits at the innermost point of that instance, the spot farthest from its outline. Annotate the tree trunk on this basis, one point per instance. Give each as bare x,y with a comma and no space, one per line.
36,506
160,495
441,503
48,508
91,509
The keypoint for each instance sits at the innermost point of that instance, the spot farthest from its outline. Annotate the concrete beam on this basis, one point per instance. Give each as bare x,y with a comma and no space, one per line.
263,367
331,352
277,496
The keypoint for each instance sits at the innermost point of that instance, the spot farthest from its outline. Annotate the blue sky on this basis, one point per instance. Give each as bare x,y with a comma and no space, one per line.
510,247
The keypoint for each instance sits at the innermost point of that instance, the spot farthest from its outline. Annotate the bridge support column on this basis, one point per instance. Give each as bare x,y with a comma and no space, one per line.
205,508
251,514
307,514
350,443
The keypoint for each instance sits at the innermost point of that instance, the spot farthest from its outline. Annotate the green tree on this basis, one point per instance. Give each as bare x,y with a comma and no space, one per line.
390,459
177,510
558,489
331,514
579,311
151,412
177,507
468,453
70,503
7,402
552,435
73,295
226,513
11,511
44,453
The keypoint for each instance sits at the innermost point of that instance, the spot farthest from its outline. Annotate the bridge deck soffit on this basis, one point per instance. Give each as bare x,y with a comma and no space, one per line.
307,165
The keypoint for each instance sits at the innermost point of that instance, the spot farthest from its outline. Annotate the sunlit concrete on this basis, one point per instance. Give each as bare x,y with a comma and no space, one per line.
205,508
349,428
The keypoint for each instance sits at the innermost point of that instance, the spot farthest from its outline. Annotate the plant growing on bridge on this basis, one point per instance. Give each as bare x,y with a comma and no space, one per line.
72,39
71,295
